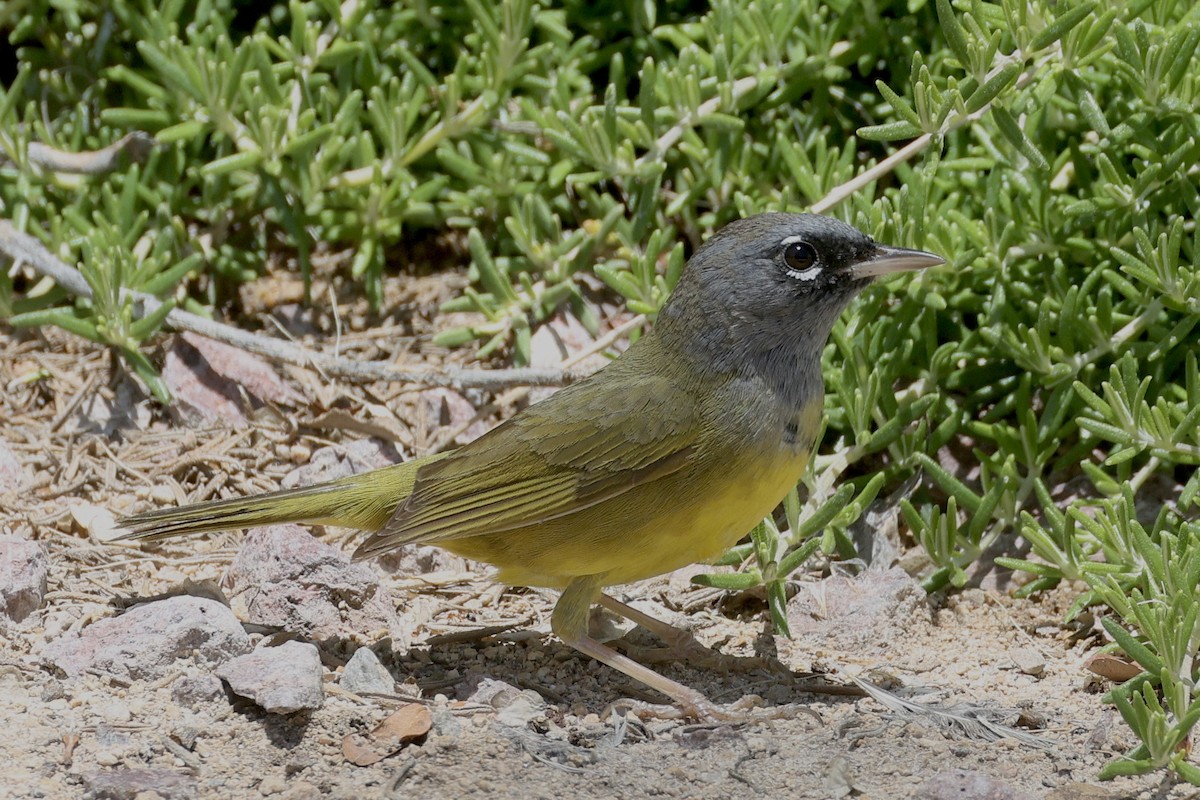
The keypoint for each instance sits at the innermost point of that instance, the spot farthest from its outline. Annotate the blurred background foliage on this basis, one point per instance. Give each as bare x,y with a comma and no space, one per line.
1044,384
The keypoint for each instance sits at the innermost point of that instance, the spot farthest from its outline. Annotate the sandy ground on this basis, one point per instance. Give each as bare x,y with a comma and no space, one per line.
86,440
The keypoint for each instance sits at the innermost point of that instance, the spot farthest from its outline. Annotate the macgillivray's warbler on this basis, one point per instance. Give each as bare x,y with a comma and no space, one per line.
665,457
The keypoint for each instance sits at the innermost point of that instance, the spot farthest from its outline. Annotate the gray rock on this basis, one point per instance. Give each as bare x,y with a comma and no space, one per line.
284,577
126,784
23,570
282,679
961,784
873,611
145,641
364,673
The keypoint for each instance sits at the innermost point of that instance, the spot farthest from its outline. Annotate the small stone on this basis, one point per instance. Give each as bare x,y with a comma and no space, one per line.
186,735
363,673
145,642
838,780
23,570
301,790
1082,791
272,784
281,680
961,784
330,463
211,381
445,409
191,690
114,712
161,493
110,738
1029,661
53,690
106,758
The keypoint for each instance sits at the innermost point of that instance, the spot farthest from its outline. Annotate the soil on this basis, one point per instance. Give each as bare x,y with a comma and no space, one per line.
88,440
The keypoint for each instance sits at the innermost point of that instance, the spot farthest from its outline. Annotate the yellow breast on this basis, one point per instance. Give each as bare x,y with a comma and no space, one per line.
692,515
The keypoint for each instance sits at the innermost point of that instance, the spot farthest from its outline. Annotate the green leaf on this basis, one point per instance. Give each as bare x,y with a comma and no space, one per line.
1061,26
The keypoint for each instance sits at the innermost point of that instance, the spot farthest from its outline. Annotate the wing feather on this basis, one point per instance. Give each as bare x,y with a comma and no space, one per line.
585,444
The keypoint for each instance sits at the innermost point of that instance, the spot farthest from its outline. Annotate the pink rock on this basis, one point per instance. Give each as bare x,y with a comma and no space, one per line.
211,380
23,570
446,408
145,641
285,577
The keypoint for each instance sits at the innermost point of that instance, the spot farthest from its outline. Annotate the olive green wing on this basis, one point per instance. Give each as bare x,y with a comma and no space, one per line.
583,445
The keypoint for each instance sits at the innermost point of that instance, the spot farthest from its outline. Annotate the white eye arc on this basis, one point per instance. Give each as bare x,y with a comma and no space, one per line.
805,254
809,274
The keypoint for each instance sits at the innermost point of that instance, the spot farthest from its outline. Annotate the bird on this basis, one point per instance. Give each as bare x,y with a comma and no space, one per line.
665,457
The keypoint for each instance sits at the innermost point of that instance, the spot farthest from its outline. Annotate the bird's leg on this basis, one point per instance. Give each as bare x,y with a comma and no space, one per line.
681,644
569,623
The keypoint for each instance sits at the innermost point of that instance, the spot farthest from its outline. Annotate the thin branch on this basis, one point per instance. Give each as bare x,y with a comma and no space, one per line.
518,393
133,147
839,193
23,247
741,87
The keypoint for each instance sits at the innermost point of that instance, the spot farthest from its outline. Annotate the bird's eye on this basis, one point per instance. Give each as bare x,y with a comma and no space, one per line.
800,259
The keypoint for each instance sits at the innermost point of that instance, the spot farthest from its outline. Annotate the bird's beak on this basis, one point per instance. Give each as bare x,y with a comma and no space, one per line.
894,259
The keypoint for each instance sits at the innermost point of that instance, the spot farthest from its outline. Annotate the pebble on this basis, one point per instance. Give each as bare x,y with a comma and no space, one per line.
114,712
302,790
162,493
1029,661
364,673
272,784
134,784
282,680
873,611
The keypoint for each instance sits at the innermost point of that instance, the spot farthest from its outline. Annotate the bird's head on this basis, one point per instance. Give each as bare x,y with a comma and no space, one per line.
778,281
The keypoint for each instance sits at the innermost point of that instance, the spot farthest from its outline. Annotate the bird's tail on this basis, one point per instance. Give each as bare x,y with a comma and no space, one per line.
364,501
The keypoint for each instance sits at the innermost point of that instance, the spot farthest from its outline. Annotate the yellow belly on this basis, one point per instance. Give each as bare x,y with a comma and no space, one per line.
689,516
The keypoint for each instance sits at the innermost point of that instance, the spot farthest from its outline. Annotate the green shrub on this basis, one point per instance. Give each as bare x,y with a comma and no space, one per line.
1049,150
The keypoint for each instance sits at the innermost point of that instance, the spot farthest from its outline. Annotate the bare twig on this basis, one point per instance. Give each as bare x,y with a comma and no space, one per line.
23,247
741,87
519,393
134,147
839,193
